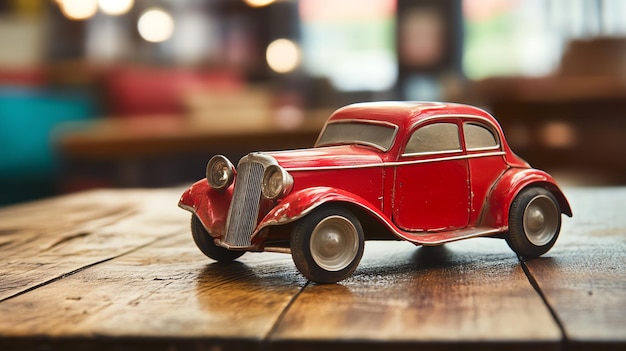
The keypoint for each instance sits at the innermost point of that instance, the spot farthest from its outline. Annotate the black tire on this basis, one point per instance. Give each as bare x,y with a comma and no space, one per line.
327,245
534,222
204,241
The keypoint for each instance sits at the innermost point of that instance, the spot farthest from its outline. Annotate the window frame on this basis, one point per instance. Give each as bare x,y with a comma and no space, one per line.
486,127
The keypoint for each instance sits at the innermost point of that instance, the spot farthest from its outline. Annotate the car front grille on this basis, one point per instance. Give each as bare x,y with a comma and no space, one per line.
244,208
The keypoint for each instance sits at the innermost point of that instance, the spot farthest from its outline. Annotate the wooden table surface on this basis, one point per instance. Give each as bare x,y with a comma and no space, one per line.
117,269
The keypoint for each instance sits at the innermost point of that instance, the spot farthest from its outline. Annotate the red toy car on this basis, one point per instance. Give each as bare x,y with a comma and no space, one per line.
428,173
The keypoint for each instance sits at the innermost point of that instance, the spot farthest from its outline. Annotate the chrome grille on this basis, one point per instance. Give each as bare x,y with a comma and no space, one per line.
244,207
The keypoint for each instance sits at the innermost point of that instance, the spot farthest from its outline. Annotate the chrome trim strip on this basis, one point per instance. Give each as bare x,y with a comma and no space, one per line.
428,153
497,147
450,158
397,163
429,118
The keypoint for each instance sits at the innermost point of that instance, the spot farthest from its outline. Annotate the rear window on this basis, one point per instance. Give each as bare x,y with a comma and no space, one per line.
479,137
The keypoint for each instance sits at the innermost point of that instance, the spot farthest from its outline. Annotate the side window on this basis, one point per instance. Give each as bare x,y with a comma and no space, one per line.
434,138
478,137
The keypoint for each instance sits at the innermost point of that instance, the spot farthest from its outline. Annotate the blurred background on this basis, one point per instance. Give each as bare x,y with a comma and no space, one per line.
140,93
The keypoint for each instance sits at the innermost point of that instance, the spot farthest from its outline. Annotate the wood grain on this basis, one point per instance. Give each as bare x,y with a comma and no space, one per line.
165,290
473,291
584,276
46,240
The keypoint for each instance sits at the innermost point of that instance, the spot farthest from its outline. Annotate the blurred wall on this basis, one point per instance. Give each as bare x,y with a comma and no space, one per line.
161,85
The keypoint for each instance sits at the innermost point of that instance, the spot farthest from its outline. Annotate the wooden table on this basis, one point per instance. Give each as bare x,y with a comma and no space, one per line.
117,269
158,151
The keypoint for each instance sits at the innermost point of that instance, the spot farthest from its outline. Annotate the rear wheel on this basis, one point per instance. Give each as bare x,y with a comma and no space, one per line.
534,222
205,243
327,245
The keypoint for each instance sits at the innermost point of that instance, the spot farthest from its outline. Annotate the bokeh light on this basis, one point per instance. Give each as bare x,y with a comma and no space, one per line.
558,134
155,25
343,40
115,7
78,9
258,3
283,55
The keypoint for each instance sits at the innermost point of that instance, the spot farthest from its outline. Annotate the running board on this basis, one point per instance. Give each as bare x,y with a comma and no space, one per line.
438,238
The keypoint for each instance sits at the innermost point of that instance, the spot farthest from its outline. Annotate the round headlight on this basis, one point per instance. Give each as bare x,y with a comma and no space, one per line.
276,182
220,173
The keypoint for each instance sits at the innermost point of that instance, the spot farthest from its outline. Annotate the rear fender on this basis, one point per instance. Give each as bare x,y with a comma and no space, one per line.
209,205
496,210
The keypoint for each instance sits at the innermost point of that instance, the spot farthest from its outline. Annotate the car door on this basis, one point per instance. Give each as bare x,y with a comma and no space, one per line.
431,187
486,161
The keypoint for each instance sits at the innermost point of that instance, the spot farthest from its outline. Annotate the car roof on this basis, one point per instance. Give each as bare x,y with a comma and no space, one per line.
406,113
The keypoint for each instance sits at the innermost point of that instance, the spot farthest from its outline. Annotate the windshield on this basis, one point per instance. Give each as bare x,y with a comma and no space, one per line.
379,136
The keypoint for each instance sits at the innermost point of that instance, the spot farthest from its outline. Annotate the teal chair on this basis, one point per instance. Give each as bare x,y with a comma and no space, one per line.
29,164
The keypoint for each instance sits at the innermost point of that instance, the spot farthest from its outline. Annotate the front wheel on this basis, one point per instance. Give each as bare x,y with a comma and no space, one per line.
534,222
205,243
327,245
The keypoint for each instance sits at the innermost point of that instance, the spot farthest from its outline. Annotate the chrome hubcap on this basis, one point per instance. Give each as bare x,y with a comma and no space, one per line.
334,243
541,217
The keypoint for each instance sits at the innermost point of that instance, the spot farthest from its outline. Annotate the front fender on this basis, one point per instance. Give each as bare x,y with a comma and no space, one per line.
496,213
209,205
300,203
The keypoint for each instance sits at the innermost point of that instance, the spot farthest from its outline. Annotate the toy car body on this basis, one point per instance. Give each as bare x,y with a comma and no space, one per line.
428,173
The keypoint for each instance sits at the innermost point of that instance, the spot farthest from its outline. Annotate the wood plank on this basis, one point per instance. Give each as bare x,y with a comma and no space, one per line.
137,280
45,240
473,292
165,291
584,276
